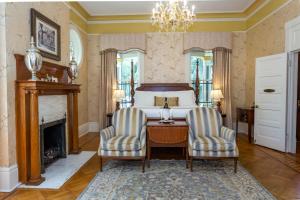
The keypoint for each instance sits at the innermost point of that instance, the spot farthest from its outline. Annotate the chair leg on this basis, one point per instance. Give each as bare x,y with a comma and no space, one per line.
186,159
235,164
191,163
100,158
143,165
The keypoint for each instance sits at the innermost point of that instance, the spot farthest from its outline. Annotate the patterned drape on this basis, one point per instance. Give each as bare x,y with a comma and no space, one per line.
207,40
108,74
123,41
222,79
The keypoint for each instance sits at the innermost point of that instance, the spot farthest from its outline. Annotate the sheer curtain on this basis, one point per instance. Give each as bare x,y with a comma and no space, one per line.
108,74
222,79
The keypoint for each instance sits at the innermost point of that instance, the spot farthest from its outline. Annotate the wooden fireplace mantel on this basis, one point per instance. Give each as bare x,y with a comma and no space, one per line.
27,117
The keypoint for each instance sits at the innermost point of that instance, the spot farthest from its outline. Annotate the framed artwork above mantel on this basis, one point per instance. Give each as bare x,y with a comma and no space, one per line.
46,34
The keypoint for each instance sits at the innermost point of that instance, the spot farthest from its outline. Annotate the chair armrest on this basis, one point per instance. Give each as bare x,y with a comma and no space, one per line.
143,136
228,134
106,134
191,137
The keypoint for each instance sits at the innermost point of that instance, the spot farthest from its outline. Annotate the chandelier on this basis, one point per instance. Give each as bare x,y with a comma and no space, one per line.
173,16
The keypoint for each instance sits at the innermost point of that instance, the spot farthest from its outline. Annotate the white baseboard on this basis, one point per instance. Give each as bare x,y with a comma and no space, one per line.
94,127
83,129
9,179
88,127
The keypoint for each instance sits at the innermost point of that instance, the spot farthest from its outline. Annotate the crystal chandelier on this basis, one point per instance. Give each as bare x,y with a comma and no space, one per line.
173,16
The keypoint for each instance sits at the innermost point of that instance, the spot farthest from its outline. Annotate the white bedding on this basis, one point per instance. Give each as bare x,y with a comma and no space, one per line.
155,112
145,101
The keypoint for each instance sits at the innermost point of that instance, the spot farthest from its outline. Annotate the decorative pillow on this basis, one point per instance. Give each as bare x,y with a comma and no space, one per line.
160,101
186,98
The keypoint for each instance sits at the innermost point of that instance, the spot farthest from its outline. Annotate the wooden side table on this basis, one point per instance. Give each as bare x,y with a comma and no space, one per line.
167,135
245,115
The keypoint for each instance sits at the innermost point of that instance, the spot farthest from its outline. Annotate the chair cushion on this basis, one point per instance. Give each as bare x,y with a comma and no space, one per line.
212,144
122,143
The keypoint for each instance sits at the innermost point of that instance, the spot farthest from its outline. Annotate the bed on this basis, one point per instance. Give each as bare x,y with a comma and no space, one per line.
143,98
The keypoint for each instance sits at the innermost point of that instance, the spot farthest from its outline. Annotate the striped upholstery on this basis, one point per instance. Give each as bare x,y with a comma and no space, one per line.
207,136
205,121
128,121
122,143
126,136
213,144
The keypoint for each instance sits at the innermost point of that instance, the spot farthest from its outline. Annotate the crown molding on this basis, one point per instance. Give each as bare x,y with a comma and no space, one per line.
243,21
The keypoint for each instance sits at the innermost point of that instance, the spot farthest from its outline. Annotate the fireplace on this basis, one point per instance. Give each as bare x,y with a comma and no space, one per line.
52,142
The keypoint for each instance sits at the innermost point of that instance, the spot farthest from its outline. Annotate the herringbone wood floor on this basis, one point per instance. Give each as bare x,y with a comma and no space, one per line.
278,172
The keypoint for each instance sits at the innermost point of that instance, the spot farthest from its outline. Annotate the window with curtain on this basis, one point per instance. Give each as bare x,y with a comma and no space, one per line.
124,73
205,72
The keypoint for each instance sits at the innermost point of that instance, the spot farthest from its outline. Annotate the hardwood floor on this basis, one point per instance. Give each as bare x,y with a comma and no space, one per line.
278,172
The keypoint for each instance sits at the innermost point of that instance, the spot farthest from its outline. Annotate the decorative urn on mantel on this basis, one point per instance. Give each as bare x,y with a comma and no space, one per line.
73,69
33,60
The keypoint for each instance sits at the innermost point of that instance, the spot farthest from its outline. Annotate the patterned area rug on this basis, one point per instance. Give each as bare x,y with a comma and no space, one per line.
171,180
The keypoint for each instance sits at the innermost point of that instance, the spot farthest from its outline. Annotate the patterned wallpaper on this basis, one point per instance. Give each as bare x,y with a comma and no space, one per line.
267,38
164,61
238,71
93,77
83,81
3,91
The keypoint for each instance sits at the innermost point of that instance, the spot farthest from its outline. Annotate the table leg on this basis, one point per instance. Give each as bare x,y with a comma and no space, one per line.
148,156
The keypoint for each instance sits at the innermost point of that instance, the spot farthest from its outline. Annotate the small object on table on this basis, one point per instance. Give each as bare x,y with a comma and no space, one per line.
245,115
167,135
167,121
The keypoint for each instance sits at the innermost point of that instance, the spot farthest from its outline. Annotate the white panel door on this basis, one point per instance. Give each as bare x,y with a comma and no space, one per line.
270,101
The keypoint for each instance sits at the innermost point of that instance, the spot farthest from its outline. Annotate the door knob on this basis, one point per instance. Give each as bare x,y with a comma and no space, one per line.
256,106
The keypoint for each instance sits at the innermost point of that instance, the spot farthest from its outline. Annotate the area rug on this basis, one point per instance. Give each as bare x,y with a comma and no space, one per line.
171,180
61,170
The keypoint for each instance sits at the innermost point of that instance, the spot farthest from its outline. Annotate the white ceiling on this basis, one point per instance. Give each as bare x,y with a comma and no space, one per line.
98,8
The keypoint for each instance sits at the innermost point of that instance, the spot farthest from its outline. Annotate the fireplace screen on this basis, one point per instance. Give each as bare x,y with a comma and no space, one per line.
52,142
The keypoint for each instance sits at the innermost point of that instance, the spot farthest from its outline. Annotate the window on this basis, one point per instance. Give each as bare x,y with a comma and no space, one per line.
75,46
205,72
124,73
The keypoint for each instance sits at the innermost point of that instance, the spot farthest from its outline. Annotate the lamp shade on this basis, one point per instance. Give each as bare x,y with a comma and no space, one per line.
119,94
216,95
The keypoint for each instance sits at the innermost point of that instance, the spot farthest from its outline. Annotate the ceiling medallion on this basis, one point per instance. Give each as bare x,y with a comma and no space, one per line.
173,16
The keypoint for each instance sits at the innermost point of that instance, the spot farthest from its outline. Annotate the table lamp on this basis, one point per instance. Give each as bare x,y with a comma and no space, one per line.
118,95
217,95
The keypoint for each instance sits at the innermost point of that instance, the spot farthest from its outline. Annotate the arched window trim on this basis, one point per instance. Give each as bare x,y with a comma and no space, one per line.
73,28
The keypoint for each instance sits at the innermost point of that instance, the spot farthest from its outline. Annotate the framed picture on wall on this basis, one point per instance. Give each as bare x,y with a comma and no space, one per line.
46,34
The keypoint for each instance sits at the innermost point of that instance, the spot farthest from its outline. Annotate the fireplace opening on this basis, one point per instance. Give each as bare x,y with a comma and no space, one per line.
52,142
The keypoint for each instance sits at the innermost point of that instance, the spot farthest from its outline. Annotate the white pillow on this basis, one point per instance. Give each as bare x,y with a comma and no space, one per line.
186,98
145,98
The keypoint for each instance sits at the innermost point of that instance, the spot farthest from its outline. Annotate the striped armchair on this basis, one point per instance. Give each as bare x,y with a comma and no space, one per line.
208,139
126,138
